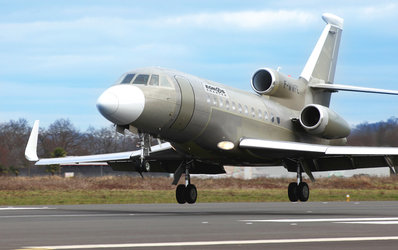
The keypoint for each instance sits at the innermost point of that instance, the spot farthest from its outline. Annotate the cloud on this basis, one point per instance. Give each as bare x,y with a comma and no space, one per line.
93,28
379,11
252,20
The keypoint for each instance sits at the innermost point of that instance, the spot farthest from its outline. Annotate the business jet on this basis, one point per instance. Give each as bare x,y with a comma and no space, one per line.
205,125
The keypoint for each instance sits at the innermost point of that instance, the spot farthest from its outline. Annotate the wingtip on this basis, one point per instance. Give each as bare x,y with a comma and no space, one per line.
31,147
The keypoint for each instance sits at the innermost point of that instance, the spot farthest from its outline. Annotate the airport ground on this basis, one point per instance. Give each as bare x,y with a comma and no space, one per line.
128,190
211,223
275,225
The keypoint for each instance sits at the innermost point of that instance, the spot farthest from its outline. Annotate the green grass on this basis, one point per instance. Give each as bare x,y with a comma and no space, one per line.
53,190
60,197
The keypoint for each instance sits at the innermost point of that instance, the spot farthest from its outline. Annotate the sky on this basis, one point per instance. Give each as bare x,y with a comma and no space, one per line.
57,57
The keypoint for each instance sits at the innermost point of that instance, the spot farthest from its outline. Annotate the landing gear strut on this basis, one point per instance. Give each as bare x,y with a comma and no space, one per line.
185,193
298,190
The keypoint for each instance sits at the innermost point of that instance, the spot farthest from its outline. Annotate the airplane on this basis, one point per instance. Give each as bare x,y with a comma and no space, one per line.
206,125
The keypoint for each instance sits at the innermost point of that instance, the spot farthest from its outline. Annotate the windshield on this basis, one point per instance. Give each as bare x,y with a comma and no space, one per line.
158,80
127,79
141,79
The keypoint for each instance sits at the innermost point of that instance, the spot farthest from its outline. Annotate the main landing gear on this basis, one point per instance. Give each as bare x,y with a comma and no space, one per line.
298,191
185,193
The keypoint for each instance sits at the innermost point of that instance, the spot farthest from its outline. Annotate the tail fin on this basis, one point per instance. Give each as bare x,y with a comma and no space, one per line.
321,66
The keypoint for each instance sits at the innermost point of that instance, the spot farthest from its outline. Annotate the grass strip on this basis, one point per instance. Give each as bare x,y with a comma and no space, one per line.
104,196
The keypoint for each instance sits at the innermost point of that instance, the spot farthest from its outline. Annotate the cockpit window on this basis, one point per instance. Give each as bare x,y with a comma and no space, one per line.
141,79
165,82
154,80
128,78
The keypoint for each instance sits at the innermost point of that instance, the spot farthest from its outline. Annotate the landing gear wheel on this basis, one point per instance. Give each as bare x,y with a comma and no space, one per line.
303,191
191,194
180,194
292,192
145,166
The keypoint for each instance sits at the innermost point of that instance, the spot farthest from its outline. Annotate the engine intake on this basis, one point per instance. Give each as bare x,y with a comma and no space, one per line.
270,82
323,122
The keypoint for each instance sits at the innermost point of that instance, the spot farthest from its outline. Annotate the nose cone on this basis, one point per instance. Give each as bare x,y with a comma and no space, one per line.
121,104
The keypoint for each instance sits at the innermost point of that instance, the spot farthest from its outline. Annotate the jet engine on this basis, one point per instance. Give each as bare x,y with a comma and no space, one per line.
323,122
271,82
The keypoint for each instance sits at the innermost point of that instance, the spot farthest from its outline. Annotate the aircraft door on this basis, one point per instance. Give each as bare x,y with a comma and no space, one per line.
187,104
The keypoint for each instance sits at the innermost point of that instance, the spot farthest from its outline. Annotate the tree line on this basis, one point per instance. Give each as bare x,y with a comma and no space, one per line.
62,137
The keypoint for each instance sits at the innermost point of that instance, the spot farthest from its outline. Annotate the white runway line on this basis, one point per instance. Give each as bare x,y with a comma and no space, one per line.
215,243
24,208
62,215
325,220
370,222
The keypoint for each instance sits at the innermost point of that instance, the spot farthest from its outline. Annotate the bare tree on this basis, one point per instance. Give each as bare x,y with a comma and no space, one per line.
13,138
375,134
62,133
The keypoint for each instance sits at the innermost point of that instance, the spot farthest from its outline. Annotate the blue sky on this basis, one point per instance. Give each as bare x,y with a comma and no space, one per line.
58,56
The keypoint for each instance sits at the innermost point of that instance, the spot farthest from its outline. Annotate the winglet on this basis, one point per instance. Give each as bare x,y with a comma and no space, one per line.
31,147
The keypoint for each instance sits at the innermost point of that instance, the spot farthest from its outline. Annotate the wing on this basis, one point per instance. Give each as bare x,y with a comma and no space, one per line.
162,151
337,87
324,157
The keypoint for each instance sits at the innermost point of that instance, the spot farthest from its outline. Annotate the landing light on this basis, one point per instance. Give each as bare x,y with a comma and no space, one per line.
226,145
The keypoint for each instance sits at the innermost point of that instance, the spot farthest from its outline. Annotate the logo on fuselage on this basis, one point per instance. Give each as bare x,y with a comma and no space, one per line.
215,90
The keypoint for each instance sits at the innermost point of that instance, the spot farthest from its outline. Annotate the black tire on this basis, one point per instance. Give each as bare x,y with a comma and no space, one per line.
147,166
303,192
191,194
292,192
180,194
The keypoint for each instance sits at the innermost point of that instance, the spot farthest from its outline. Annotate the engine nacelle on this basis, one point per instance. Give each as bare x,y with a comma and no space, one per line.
271,82
323,122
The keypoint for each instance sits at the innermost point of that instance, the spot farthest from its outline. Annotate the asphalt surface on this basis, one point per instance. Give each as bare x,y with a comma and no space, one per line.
312,225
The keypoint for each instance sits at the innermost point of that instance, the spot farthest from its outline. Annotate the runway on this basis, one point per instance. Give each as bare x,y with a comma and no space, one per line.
354,225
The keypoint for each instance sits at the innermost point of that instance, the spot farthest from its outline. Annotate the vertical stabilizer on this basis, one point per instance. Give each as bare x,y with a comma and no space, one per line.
321,66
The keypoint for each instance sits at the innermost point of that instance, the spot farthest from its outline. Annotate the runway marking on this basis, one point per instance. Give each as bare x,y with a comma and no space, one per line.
215,243
24,208
325,220
370,222
62,215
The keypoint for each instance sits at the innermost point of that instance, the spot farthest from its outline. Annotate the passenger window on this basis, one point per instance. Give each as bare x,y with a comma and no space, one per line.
246,110
208,99
127,79
154,80
272,117
141,79
278,120
227,104
240,108
233,106
253,113
215,100
221,103
260,115
265,115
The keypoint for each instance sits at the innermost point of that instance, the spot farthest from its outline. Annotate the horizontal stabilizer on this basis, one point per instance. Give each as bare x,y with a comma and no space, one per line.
337,87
